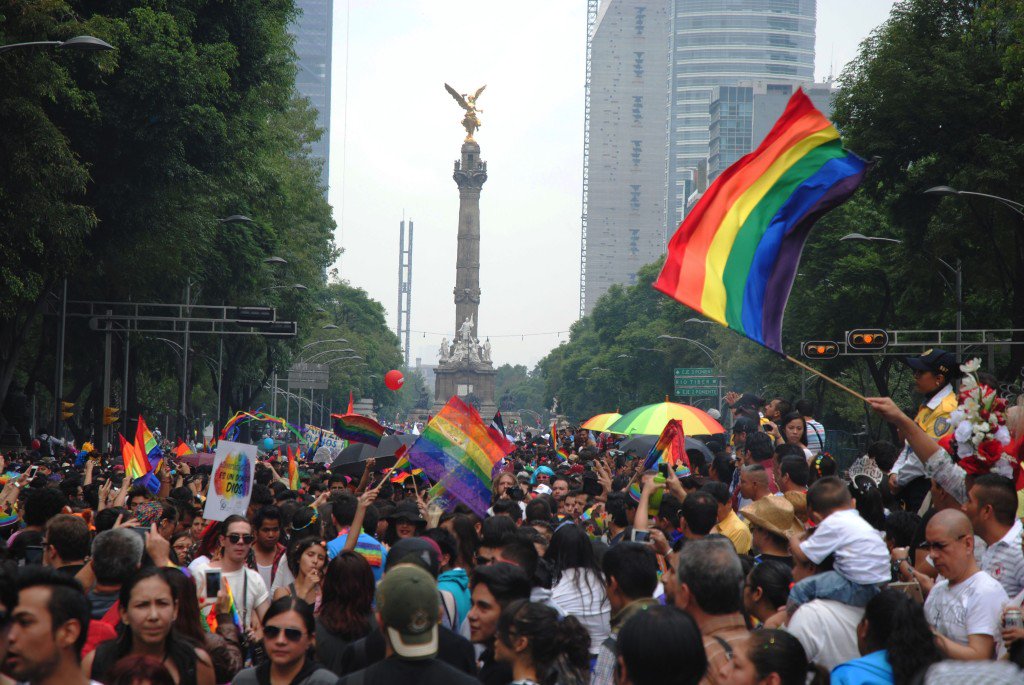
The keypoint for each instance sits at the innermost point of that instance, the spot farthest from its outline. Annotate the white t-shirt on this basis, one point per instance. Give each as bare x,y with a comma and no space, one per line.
827,630
861,554
971,607
588,603
255,589
266,573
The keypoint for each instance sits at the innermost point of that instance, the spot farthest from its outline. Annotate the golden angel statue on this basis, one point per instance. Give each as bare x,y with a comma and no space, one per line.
471,122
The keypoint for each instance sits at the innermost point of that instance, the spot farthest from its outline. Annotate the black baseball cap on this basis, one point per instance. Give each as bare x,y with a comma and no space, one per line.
935,361
745,424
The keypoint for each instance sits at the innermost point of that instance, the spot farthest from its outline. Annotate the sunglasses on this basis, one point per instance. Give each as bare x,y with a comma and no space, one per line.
235,538
939,546
291,634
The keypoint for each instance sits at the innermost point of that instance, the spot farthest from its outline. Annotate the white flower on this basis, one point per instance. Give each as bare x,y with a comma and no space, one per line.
963,431
1003,435
956,416
982,427
971,365
968,383
964,449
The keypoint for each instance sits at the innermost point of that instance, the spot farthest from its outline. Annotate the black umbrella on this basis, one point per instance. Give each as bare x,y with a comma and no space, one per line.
642,444
351,460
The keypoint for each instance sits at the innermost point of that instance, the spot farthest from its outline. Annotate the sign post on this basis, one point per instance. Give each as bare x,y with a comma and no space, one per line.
697,382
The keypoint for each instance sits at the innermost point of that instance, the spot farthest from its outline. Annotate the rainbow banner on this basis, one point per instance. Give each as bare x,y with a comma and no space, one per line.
735,255
293,470
670,448
458,449
135,464
357,428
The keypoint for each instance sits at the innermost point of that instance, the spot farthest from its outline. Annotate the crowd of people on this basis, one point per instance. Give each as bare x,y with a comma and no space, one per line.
758,561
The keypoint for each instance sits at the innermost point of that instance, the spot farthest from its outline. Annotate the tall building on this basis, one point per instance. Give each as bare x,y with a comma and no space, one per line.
742,115
625,209
312,30
718,43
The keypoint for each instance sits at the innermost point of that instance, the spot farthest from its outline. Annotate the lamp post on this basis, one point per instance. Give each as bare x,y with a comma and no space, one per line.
957,285
947,190
78,43
710,355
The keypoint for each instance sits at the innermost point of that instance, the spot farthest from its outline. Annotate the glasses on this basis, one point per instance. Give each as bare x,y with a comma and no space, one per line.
939,546
235,538
291,634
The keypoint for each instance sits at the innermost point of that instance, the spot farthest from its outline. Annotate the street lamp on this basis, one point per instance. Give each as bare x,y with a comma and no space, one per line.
275,260
79,43
958,272
330,327
701,346
947,190
292,286
236,219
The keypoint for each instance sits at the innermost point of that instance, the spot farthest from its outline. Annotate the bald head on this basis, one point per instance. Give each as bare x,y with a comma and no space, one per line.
951,523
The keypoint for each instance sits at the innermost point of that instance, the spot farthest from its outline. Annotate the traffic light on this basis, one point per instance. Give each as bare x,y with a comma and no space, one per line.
67,410
867,339
110,415
818,349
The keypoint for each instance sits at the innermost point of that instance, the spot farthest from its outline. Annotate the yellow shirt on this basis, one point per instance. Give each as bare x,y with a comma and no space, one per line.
736,530
933,417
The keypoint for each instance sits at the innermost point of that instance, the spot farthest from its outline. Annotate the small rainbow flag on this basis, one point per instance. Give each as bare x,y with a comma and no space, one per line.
404,475
735,255
670,448
457,447
211,618
135,465
182,449
562,455
145,442
293,470
357,428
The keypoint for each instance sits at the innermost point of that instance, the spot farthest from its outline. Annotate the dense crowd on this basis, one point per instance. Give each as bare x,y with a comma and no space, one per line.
756,562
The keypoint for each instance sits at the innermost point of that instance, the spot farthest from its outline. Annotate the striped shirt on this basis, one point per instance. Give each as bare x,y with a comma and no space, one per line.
366,545
815,437
1004,561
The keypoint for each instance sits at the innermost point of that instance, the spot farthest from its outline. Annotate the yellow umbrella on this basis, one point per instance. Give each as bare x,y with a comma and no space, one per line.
601,422
651,419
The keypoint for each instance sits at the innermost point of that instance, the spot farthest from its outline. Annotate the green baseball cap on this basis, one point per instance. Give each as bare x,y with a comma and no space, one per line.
409,607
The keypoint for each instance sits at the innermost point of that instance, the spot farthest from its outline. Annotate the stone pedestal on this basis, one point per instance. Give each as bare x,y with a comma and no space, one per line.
472,384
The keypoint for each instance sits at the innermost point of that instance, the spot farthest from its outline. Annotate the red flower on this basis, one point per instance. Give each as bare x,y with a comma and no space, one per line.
990,450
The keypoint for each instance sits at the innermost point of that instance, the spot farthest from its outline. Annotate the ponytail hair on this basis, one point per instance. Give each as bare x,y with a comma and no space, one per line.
559,646
774,578
897,624
776,651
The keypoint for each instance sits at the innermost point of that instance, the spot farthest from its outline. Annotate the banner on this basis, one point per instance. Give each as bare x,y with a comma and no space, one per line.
234,471
327,439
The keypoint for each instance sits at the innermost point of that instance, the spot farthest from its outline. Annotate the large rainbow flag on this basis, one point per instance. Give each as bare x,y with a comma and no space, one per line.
357,428
458,449
735,255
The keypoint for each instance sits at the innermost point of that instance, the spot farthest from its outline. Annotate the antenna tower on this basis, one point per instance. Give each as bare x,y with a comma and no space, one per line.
592,6
404,287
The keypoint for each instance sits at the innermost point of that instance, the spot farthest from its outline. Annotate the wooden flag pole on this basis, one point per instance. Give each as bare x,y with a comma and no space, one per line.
831,380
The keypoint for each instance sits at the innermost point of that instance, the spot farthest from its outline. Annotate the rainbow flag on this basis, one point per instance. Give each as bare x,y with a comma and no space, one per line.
405,475
456,447
670,448
560,453
146,443
211,618
293,470
357,428
135,464
182,449
735,255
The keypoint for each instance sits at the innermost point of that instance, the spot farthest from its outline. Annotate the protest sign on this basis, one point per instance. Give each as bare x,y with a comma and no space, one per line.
234,471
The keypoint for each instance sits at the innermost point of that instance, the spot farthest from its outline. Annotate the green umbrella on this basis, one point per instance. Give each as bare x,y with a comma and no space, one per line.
651,419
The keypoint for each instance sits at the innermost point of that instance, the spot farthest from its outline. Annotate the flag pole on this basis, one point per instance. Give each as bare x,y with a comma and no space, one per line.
831,380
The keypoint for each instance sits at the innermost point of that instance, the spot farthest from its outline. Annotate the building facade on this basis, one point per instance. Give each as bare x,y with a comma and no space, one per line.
312,30
626,223
718,44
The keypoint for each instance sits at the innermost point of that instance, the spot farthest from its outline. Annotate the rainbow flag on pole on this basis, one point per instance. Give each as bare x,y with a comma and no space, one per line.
456,448
293,470
211,618
357,428
670,448
146,443
135,464
735,255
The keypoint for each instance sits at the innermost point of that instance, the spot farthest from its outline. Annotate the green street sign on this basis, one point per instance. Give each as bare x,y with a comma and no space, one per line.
697,382
693,371
688,391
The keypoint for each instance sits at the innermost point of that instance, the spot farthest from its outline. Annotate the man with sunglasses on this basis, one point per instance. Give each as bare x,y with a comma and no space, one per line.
251,595
964,608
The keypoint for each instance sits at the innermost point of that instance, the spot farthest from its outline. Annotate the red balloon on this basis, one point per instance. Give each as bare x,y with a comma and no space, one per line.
394,379
36,444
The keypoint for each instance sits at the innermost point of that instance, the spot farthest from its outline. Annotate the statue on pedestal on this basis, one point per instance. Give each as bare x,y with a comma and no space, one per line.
466,329
486,356
471,122
443,353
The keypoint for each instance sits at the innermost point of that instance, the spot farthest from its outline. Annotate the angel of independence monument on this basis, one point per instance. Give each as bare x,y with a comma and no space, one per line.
464,366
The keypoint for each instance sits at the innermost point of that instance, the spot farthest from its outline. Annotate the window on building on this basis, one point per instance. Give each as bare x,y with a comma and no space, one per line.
638,19
638,64
638,108
634,196
464,389
636,153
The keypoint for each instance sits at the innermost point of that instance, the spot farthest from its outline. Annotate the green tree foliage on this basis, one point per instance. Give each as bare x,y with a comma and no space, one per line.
516,387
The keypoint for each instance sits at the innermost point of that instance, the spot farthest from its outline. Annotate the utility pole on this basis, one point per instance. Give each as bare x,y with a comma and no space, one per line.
105,431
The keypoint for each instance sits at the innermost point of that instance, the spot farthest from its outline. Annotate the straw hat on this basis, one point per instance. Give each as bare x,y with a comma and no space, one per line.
775,514
799,501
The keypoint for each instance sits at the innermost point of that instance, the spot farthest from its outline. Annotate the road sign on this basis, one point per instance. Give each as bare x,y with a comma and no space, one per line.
685,391
693,382
309,376
686,372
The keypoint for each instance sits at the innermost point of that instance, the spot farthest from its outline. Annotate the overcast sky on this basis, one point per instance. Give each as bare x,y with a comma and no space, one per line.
395,133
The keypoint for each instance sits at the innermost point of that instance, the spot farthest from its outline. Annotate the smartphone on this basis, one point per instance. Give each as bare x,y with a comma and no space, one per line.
212,582
640,536
663,468
33,555
32,470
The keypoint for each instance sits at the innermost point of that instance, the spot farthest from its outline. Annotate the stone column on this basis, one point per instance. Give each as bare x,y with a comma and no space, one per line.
470,175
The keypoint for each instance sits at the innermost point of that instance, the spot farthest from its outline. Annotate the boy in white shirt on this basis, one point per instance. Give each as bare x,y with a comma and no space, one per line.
861,557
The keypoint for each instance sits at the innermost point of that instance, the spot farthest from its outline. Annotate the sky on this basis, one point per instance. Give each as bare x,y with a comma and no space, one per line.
395,134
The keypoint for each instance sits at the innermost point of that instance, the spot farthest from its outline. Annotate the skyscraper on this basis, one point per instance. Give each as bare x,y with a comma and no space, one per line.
312,30
718,43
625,211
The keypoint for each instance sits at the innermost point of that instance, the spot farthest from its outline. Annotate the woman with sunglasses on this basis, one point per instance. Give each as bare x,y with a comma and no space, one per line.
149,607
250,592
289,638
306,560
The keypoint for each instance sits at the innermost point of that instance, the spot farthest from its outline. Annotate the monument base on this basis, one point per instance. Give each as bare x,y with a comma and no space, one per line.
472,384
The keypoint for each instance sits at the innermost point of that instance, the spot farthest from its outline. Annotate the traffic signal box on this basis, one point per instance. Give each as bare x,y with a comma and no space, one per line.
867,339
67,410
818,349
110,415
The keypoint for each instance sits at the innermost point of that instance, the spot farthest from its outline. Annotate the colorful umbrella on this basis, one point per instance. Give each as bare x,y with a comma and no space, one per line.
651,419
601,422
